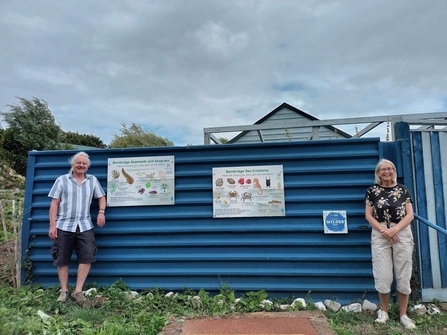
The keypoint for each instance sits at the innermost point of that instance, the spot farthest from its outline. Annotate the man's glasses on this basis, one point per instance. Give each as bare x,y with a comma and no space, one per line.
386,169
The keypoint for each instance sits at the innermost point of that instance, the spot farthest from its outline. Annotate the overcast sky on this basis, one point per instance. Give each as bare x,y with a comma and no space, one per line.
176,67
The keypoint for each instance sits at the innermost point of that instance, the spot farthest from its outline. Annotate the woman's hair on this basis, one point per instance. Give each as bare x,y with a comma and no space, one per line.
377,178
73,158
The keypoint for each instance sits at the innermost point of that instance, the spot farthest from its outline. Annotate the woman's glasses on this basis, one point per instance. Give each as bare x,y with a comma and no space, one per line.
386,169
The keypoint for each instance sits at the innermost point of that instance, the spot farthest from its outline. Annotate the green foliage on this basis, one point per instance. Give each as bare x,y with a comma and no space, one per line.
135,136
31,310
251,301
31,127
70,137
33,124
120,285
89,314
13,153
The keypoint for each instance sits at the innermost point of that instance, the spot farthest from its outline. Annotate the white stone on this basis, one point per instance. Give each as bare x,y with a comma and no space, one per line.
420,309
355,307
169,295
220,299
432,310
133,294
149,295
90,291
299,302
130,294
196,301
284,307
332,305
368,306
265,302
320,306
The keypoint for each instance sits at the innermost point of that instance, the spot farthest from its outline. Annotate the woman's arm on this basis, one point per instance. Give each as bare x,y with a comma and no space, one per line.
370,218
407,219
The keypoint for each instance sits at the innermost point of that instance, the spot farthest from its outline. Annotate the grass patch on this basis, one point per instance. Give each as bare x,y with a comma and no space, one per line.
31,310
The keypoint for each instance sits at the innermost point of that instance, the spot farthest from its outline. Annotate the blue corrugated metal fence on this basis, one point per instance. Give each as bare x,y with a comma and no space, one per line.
430,166
182,245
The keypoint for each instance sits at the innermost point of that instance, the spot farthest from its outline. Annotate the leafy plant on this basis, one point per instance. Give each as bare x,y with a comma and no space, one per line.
251,301
89,314
33,310
135,136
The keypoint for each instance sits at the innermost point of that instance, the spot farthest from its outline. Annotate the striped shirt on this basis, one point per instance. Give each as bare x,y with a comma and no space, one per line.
75,201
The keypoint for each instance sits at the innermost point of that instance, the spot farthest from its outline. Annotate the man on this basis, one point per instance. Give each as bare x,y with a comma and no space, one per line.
71,225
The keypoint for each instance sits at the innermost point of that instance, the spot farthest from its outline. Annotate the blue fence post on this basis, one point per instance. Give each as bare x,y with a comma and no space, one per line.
402,131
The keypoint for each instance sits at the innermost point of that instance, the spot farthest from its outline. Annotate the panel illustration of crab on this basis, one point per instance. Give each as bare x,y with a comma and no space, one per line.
247,196
232,195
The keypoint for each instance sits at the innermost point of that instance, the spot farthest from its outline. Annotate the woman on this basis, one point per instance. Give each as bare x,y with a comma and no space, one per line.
389,211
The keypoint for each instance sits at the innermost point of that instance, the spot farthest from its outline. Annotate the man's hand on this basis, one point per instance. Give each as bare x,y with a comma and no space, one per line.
101,219
52,233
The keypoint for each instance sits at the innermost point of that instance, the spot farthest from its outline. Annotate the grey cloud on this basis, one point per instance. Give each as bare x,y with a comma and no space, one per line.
164,63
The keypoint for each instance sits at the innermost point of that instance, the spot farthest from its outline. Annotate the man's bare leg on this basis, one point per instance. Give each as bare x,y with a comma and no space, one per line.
62,272
83,270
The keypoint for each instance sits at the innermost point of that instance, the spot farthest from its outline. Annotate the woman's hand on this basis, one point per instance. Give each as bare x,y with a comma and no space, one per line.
390,234
393,239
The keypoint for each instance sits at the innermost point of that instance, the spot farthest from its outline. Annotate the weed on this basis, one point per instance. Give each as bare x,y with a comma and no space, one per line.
88,314
120,285
251,301
31,310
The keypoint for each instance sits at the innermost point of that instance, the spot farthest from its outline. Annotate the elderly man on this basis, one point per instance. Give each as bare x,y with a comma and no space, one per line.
71,226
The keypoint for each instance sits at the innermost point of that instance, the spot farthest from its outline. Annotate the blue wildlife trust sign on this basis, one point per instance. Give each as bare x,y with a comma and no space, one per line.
335,222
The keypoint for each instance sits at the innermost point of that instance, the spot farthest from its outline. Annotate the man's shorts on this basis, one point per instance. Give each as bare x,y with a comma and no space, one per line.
84,243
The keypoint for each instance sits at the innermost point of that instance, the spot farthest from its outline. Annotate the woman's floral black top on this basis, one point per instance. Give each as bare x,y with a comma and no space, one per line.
388,203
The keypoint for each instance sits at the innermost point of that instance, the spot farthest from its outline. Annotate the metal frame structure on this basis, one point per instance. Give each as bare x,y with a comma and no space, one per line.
424,120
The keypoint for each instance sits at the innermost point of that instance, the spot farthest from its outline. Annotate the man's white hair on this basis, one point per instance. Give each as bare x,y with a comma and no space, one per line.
73,159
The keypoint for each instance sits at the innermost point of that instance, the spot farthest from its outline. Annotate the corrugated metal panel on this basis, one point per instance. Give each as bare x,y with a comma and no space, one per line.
182,245
430,167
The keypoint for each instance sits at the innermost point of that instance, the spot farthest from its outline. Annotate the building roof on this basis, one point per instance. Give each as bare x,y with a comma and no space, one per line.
294,109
